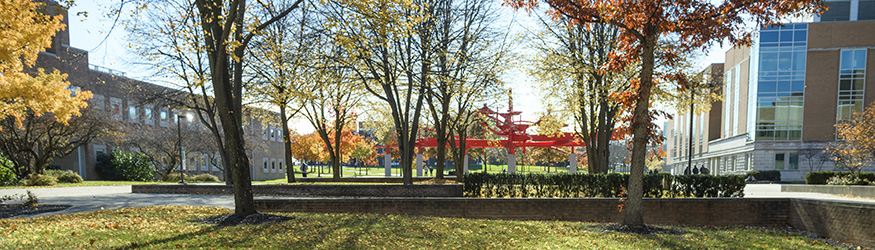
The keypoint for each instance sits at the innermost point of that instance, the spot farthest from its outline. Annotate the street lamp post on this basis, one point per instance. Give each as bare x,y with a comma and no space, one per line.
181,149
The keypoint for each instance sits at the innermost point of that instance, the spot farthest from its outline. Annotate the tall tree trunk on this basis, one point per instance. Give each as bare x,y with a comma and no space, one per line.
634,216
287,145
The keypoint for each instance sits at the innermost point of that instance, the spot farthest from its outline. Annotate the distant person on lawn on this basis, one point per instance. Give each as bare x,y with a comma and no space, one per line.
304,169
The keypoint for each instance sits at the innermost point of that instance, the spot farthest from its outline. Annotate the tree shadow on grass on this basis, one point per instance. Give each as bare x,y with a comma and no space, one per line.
646,230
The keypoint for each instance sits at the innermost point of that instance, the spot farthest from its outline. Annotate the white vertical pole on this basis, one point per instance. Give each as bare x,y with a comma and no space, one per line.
572,163
465,164
418,165
387,160
511,163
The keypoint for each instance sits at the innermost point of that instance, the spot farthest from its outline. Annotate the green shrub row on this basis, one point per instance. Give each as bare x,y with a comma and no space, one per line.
823,176
174,177
765,175
600,185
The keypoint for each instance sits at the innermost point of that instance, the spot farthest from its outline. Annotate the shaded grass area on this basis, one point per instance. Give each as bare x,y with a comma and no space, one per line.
162,227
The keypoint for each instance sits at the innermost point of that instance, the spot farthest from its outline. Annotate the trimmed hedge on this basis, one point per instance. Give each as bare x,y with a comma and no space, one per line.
600,185
823,176
767,175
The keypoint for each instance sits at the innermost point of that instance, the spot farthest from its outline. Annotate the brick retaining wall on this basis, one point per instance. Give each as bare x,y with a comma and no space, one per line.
844,221
852,222
312,190
717,211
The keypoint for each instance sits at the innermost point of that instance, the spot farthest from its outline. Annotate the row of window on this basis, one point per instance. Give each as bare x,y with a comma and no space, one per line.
134,114
272,165
852,76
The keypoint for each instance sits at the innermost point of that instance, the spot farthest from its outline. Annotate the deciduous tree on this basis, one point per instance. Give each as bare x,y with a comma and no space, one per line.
856,146
27,93
642,24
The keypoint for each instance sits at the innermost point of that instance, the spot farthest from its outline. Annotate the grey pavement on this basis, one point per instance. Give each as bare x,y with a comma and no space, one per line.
87,199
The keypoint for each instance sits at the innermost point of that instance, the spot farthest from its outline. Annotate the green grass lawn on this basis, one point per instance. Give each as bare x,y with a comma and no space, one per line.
165,227
381,171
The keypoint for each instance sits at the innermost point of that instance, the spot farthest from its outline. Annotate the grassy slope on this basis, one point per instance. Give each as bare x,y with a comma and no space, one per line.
165,227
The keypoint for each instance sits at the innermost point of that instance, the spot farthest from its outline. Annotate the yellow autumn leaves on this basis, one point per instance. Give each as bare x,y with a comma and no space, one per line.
25,33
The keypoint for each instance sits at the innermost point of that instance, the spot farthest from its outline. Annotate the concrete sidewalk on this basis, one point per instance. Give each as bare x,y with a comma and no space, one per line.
95,198
774,191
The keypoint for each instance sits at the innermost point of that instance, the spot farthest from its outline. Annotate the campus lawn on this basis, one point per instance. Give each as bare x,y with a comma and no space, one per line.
380,171
164,227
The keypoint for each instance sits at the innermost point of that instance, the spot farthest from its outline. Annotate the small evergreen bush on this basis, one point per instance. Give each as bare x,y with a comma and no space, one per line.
819,178
174,177
7,177
766,175
847,180
41,180
205,178
65,176
125,166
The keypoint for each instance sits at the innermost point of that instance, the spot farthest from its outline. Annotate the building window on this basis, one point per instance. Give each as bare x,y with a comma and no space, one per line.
132,112
838,11
115,106
265,169
74,90
263,132
98,102
147,115
866,10
273,165
204,166
164,116
780,82
851,83
779,161
279,163
793,161
272,133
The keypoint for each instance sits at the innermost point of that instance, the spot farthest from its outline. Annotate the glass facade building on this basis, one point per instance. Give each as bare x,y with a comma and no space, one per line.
779,82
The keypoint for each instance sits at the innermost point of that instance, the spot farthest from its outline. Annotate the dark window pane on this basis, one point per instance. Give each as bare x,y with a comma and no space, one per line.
867,10
784,86
838,11
847,59
768,36
766,87
800,35
859,59
786,36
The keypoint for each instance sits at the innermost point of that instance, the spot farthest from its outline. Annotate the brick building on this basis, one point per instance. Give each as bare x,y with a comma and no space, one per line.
783,96
122,99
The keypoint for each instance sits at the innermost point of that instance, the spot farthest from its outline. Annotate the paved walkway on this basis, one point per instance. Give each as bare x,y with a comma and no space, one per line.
87,199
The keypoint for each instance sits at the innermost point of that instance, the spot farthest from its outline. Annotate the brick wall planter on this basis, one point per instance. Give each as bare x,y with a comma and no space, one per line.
854,190
312,190
844,221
